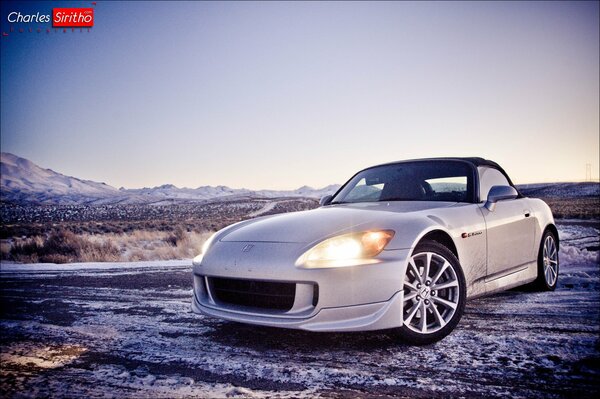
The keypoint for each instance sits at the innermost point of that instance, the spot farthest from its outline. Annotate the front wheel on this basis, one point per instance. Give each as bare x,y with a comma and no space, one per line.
434,294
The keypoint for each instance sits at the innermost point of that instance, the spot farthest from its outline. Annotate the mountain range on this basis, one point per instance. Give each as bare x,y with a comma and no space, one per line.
24,182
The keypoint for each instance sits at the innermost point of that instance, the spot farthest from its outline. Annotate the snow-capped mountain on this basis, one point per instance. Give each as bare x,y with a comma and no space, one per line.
24,182
169,191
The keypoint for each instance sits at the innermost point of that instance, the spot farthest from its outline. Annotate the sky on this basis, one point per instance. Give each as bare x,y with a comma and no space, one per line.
276,95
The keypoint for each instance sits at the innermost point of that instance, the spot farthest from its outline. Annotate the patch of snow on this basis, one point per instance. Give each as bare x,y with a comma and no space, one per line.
569,254
9,267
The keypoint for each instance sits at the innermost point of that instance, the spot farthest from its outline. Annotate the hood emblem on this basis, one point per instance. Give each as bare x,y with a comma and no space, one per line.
247,248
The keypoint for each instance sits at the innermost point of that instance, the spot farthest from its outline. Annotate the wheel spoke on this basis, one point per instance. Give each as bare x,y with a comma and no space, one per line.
550,247
412,313
423,321
445,284
426,268
440,272
444,302
410,296
410,286
438,316
411,263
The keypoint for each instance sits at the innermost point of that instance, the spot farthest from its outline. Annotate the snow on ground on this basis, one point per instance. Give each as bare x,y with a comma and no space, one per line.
9,268
125,330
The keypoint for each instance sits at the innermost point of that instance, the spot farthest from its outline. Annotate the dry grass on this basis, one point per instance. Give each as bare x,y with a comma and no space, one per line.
82,233
60,247
64,246
154,245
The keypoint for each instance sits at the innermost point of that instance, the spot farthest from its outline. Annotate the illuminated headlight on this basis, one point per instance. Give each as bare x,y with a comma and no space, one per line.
346,250
198,259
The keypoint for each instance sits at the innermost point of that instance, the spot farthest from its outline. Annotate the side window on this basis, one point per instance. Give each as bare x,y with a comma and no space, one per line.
447,188
364,192
489,177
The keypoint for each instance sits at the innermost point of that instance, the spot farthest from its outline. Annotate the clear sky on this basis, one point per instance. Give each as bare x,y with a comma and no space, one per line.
279,95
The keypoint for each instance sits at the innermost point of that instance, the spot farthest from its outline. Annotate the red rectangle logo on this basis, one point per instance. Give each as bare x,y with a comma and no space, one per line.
73,17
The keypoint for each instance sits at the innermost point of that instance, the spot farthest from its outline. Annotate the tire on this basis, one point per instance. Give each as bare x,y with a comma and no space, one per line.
432,265
548,263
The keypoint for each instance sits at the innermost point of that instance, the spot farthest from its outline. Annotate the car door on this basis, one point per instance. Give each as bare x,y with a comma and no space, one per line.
510,228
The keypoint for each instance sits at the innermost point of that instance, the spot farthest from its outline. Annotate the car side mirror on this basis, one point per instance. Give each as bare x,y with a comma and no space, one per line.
499,193
325,200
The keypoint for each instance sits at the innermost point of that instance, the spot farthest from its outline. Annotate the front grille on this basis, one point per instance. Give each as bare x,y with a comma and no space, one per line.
255,294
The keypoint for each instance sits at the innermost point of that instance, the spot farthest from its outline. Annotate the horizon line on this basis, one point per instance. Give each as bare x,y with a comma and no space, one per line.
595,180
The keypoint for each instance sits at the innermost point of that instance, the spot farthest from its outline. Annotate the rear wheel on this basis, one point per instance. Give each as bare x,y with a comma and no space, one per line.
434,294
547,263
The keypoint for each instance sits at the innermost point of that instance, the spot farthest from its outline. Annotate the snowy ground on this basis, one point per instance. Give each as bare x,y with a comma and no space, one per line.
112,331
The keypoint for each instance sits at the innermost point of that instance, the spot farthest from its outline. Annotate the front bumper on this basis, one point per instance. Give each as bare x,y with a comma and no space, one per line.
367,317
355,298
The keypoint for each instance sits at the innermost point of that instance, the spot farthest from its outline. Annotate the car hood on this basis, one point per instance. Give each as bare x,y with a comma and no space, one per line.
320,223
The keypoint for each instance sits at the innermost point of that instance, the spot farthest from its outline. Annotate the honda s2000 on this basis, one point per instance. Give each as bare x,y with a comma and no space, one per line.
400,246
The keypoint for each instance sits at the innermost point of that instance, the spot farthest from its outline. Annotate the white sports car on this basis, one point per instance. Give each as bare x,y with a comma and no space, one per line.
400,246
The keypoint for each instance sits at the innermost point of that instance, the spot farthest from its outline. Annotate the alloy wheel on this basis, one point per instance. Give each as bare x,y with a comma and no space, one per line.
550,260
431,293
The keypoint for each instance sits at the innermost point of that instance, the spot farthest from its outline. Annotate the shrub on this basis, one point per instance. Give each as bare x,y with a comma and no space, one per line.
62,247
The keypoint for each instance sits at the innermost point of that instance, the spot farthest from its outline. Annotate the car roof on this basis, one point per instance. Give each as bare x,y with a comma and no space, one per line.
477,161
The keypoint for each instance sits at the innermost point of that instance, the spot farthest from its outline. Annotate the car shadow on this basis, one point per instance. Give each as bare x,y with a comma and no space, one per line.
260,338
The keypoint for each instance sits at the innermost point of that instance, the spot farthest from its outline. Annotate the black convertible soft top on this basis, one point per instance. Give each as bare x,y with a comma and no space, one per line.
475,161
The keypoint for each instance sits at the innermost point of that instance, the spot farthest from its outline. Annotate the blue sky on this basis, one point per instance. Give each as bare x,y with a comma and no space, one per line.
278,95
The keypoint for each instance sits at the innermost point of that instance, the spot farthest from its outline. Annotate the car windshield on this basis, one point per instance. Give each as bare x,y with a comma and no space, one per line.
410,181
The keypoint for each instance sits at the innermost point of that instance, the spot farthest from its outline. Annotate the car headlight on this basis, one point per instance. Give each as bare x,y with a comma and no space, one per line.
198,259
346,250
